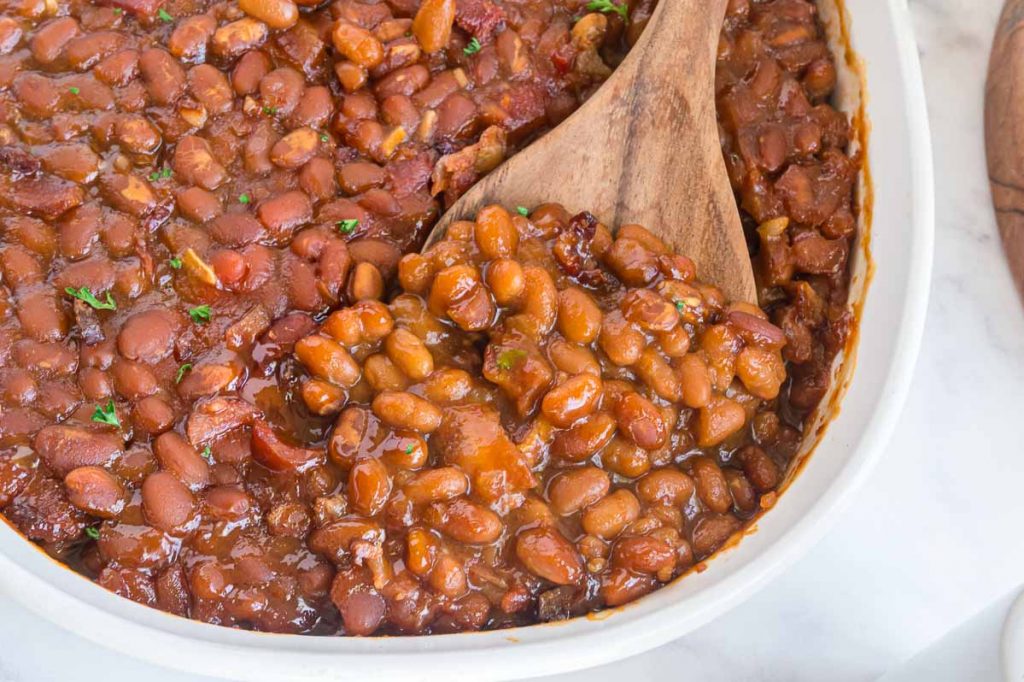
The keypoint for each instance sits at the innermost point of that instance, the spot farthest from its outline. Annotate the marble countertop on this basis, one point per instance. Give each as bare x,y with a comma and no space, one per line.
934,534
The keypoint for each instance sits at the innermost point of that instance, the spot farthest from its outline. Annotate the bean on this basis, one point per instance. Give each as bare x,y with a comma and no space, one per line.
547,554
571,400
448,577
658,375
621,456
421,551
621,586
179,458
96,491
433,24
369,486
465,521
448,385
383,375
295,149
65,448
643,555
718,420
277,14
237,37
712,488
494,233
620,340
584,439
573,490
694,381
167,502
762,472
579,318
328,360
609,516
366,283
436,485
362,608
666,486
357,44
711,531
761,371
506,281
353,425
743,495
409,354
403,410
640,420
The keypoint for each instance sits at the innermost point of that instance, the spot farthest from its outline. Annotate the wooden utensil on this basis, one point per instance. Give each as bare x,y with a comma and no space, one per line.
643,149
1004,133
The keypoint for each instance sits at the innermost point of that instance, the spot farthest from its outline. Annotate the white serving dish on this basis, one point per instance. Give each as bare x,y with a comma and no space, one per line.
890,331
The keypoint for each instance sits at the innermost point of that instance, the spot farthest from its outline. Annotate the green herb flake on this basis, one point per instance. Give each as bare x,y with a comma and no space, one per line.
522,210
609,7
346,226
508,359
84,294
181,372
244,198
324,138
73,90
106,414
680,306
175,263
93,532
164,16
118,11
207,453
270,111
473,47
199,314
408,449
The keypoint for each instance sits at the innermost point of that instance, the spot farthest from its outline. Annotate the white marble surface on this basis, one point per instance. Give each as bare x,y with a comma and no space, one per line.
934,535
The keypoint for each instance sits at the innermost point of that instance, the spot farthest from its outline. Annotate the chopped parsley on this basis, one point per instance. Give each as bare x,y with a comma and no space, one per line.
106,414
73,90
93,532
684,303
164,16
270,110
408,449
473,47
324,138
207,452
522,210
181,372
118,10
508,359
175,263
161,174
84,294
346,226
609,7
201,313
244,198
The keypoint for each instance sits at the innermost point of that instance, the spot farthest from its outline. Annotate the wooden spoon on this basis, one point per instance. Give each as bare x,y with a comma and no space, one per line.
643,149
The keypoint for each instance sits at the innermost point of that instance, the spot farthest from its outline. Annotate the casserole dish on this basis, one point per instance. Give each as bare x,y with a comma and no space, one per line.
899,244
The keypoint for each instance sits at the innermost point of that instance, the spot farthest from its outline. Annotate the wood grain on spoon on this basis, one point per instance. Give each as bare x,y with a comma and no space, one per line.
644,149
1004,133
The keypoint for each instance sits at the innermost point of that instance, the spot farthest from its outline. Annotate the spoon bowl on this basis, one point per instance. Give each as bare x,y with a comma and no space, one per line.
643,149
